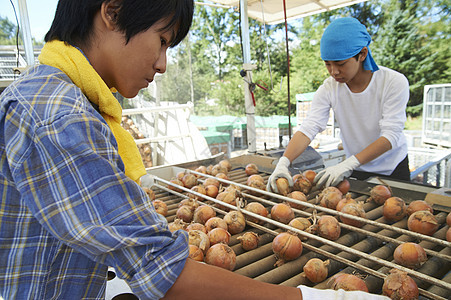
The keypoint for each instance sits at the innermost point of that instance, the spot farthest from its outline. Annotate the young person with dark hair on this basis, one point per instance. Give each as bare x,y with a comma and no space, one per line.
71,203
369,104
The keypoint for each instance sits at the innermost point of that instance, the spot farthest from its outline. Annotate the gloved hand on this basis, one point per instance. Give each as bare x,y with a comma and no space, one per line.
309,293
335,174
147,181
281,170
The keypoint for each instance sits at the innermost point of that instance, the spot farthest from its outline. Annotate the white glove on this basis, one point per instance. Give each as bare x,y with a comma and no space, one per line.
147,181
281,170
334,175
309,293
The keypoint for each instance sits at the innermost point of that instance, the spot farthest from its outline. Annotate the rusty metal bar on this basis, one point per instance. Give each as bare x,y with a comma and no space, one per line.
325,241
330,211
344,261
356,229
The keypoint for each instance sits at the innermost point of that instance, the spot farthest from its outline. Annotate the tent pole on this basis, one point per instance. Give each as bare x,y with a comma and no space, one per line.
26,32
249,104
288,70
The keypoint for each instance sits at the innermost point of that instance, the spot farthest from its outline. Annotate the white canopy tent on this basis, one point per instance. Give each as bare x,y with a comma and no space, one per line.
271,12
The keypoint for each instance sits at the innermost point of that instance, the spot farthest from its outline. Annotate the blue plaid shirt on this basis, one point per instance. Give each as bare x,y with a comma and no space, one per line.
67,209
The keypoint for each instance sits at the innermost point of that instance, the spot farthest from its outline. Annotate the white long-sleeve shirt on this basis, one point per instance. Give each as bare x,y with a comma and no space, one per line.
380,110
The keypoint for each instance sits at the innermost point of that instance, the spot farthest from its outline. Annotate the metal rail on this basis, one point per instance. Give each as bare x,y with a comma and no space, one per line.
138,111
439,161
343,260
361,254
332,211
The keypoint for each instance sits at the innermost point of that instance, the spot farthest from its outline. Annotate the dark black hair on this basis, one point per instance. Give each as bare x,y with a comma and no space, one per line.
73,21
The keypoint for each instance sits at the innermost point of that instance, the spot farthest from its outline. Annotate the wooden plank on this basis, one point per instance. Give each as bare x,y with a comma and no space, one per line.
440,196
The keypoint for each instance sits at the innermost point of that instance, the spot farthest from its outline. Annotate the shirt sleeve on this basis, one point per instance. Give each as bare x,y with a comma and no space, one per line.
72,180
318,115
396,96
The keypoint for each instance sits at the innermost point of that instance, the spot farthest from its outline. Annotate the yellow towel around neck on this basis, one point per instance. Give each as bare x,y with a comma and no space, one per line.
74,64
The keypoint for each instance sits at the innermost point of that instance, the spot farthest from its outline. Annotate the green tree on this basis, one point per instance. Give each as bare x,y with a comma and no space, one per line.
435,26
411,36
217,74
309,70
176,80
368,13
7,32
400,45
214,28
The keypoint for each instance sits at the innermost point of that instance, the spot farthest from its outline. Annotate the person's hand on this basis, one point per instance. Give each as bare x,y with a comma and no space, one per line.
309,293
334,175
147,181
281,170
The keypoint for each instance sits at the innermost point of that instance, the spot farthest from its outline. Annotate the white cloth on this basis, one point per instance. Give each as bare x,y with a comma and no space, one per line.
116,287
380,110
147,181
309,293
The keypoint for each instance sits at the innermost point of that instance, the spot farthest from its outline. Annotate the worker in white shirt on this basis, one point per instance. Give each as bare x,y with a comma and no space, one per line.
369,104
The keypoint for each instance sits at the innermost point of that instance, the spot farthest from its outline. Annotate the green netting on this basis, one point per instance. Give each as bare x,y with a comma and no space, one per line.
305,97
274,122
221,127
214,137
240,125
226,122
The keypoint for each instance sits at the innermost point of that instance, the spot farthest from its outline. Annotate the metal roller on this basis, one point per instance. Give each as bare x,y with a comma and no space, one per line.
367,250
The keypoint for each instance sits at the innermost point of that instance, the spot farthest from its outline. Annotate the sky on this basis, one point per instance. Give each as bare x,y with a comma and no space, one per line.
40,15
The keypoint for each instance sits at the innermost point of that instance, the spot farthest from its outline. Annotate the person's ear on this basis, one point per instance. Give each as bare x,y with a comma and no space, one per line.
363,53
109,12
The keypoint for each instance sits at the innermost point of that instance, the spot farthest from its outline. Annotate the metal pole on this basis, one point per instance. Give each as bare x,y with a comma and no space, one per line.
157,95
249,105
288,70
26,32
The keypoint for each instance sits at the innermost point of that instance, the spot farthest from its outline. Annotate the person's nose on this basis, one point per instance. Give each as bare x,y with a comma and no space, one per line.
334,70
160,64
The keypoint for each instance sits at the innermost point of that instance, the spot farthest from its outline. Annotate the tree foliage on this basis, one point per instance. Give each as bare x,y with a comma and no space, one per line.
8,32
410,36
410,41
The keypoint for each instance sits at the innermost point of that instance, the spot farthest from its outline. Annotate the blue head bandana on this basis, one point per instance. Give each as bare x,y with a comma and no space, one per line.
345,38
